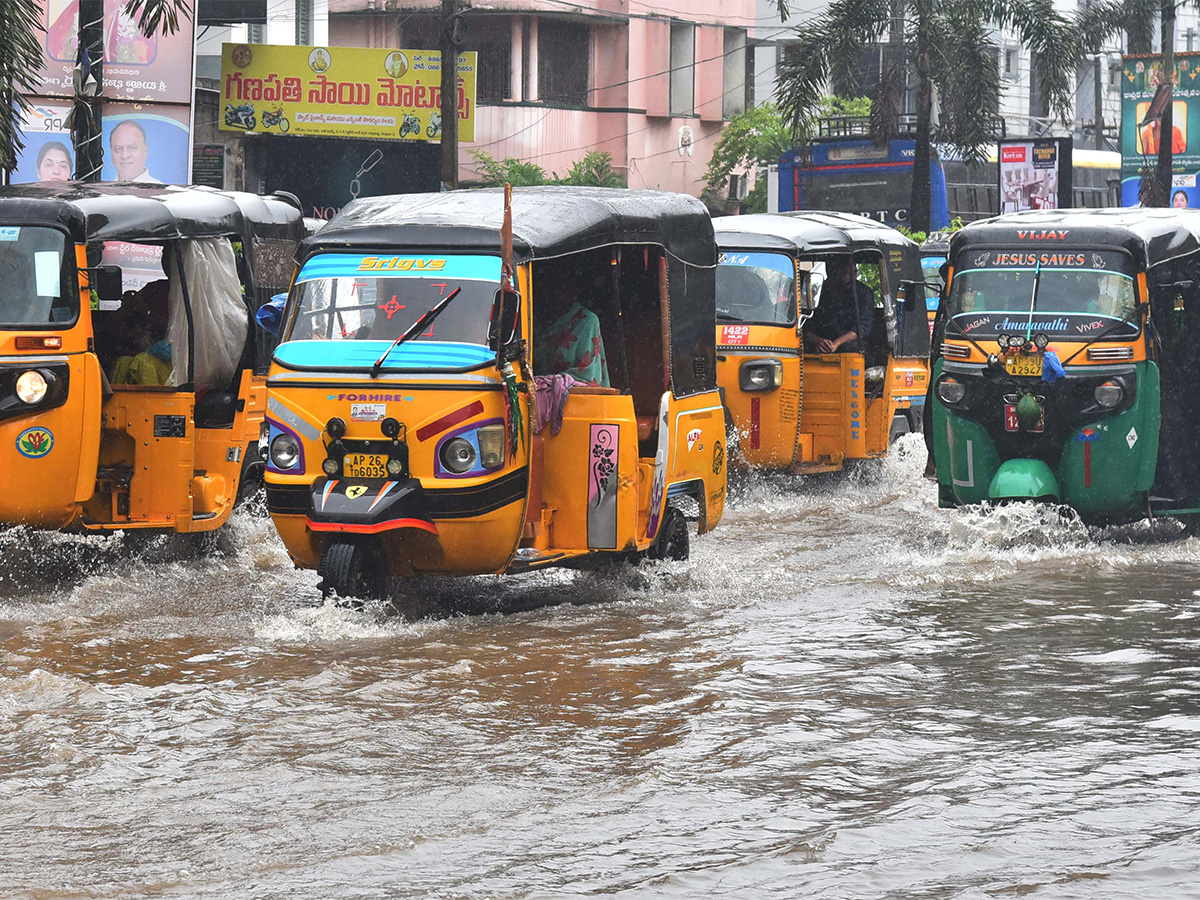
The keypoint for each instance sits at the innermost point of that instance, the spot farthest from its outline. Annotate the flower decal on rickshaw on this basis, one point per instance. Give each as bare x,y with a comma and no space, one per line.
35,442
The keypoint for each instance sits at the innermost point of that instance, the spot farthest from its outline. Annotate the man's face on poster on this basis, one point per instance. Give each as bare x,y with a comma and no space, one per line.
129,152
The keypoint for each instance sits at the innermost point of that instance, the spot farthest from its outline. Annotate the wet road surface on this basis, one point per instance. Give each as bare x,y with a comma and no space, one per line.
844,693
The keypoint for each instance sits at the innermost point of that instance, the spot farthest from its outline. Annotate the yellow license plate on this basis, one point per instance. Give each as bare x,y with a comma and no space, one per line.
364,465
1024,364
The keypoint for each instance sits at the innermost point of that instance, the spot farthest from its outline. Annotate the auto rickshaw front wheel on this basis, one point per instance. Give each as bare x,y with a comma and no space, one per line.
353,569
672,541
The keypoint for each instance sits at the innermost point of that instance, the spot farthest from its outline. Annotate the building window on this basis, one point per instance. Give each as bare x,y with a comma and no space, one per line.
1012,63
734,77
490,37
493,69
1114,77
683,69
564,58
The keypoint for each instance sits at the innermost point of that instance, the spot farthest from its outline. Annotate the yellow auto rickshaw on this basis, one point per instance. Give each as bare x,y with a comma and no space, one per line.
795,402
129,396
446,400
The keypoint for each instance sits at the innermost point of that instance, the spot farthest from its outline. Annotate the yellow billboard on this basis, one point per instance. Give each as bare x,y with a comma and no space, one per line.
341,92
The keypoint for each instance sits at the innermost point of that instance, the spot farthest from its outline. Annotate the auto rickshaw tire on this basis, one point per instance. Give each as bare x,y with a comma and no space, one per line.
251,482
673,540
733,439
353,570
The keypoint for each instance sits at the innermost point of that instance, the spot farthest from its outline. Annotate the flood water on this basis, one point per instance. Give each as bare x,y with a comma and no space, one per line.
844,693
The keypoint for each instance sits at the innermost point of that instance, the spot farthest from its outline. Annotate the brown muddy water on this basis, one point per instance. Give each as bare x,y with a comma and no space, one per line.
844,693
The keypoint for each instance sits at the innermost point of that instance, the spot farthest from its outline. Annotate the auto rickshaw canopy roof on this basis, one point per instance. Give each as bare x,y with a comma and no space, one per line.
94,211
547,221
779,232
550,222
1150,236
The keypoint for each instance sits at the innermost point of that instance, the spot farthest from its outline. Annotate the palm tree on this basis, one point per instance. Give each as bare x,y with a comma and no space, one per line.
1135,19
950,44
21,56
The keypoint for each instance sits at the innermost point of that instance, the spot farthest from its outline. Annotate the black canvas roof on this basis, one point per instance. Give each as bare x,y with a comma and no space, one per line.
126,211
547,221
774,231
1151,236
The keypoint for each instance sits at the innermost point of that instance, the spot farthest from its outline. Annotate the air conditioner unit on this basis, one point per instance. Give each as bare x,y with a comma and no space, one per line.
739,186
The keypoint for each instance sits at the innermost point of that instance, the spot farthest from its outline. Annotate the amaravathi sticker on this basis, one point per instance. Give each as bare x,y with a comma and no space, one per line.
35,442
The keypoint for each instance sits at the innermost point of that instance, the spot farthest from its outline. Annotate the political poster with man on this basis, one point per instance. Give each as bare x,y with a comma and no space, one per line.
146,143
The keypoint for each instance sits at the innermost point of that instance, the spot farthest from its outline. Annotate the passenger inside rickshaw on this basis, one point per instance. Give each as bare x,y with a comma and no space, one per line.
144,341
598,317
568,338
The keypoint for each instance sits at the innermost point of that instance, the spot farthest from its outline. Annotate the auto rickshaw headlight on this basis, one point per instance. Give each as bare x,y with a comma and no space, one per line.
760,374
395,467
1109,394
951,391
458,455
390,428
336,428
285,451
32,387
1041,341
330,466
491,446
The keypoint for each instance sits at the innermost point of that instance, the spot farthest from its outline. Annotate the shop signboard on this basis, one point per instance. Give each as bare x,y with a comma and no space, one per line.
136,67
1035,173
208,165
1141,77
341,92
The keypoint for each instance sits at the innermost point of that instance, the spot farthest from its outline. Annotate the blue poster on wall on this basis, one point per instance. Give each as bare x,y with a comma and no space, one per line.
146,143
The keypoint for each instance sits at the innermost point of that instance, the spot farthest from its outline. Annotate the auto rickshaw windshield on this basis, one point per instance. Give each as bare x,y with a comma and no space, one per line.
36,270
1090,285
347,297
756,287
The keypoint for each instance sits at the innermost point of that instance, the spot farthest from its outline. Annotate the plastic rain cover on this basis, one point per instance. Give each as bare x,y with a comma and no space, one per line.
219,314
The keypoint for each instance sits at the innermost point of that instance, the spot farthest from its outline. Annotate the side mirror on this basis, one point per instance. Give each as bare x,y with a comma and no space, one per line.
106,281
270,315
908,295
506,309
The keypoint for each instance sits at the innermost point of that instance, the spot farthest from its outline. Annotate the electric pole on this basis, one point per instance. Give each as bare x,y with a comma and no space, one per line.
1166,132
451,41
86,115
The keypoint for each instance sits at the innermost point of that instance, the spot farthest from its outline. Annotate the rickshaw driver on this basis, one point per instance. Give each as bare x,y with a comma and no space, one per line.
847,305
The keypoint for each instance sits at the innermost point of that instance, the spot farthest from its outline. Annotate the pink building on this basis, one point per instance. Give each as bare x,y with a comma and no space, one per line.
650,85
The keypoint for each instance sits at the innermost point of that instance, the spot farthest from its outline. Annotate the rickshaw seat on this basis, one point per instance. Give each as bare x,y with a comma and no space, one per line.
215,409
594,389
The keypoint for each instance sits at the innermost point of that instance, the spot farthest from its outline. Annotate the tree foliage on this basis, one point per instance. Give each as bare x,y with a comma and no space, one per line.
20,62
1100,22
21,57
757,138
951,45
593,170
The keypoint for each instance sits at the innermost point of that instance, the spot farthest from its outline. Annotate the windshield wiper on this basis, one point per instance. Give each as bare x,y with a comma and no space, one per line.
724,317
1037,280
416,328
